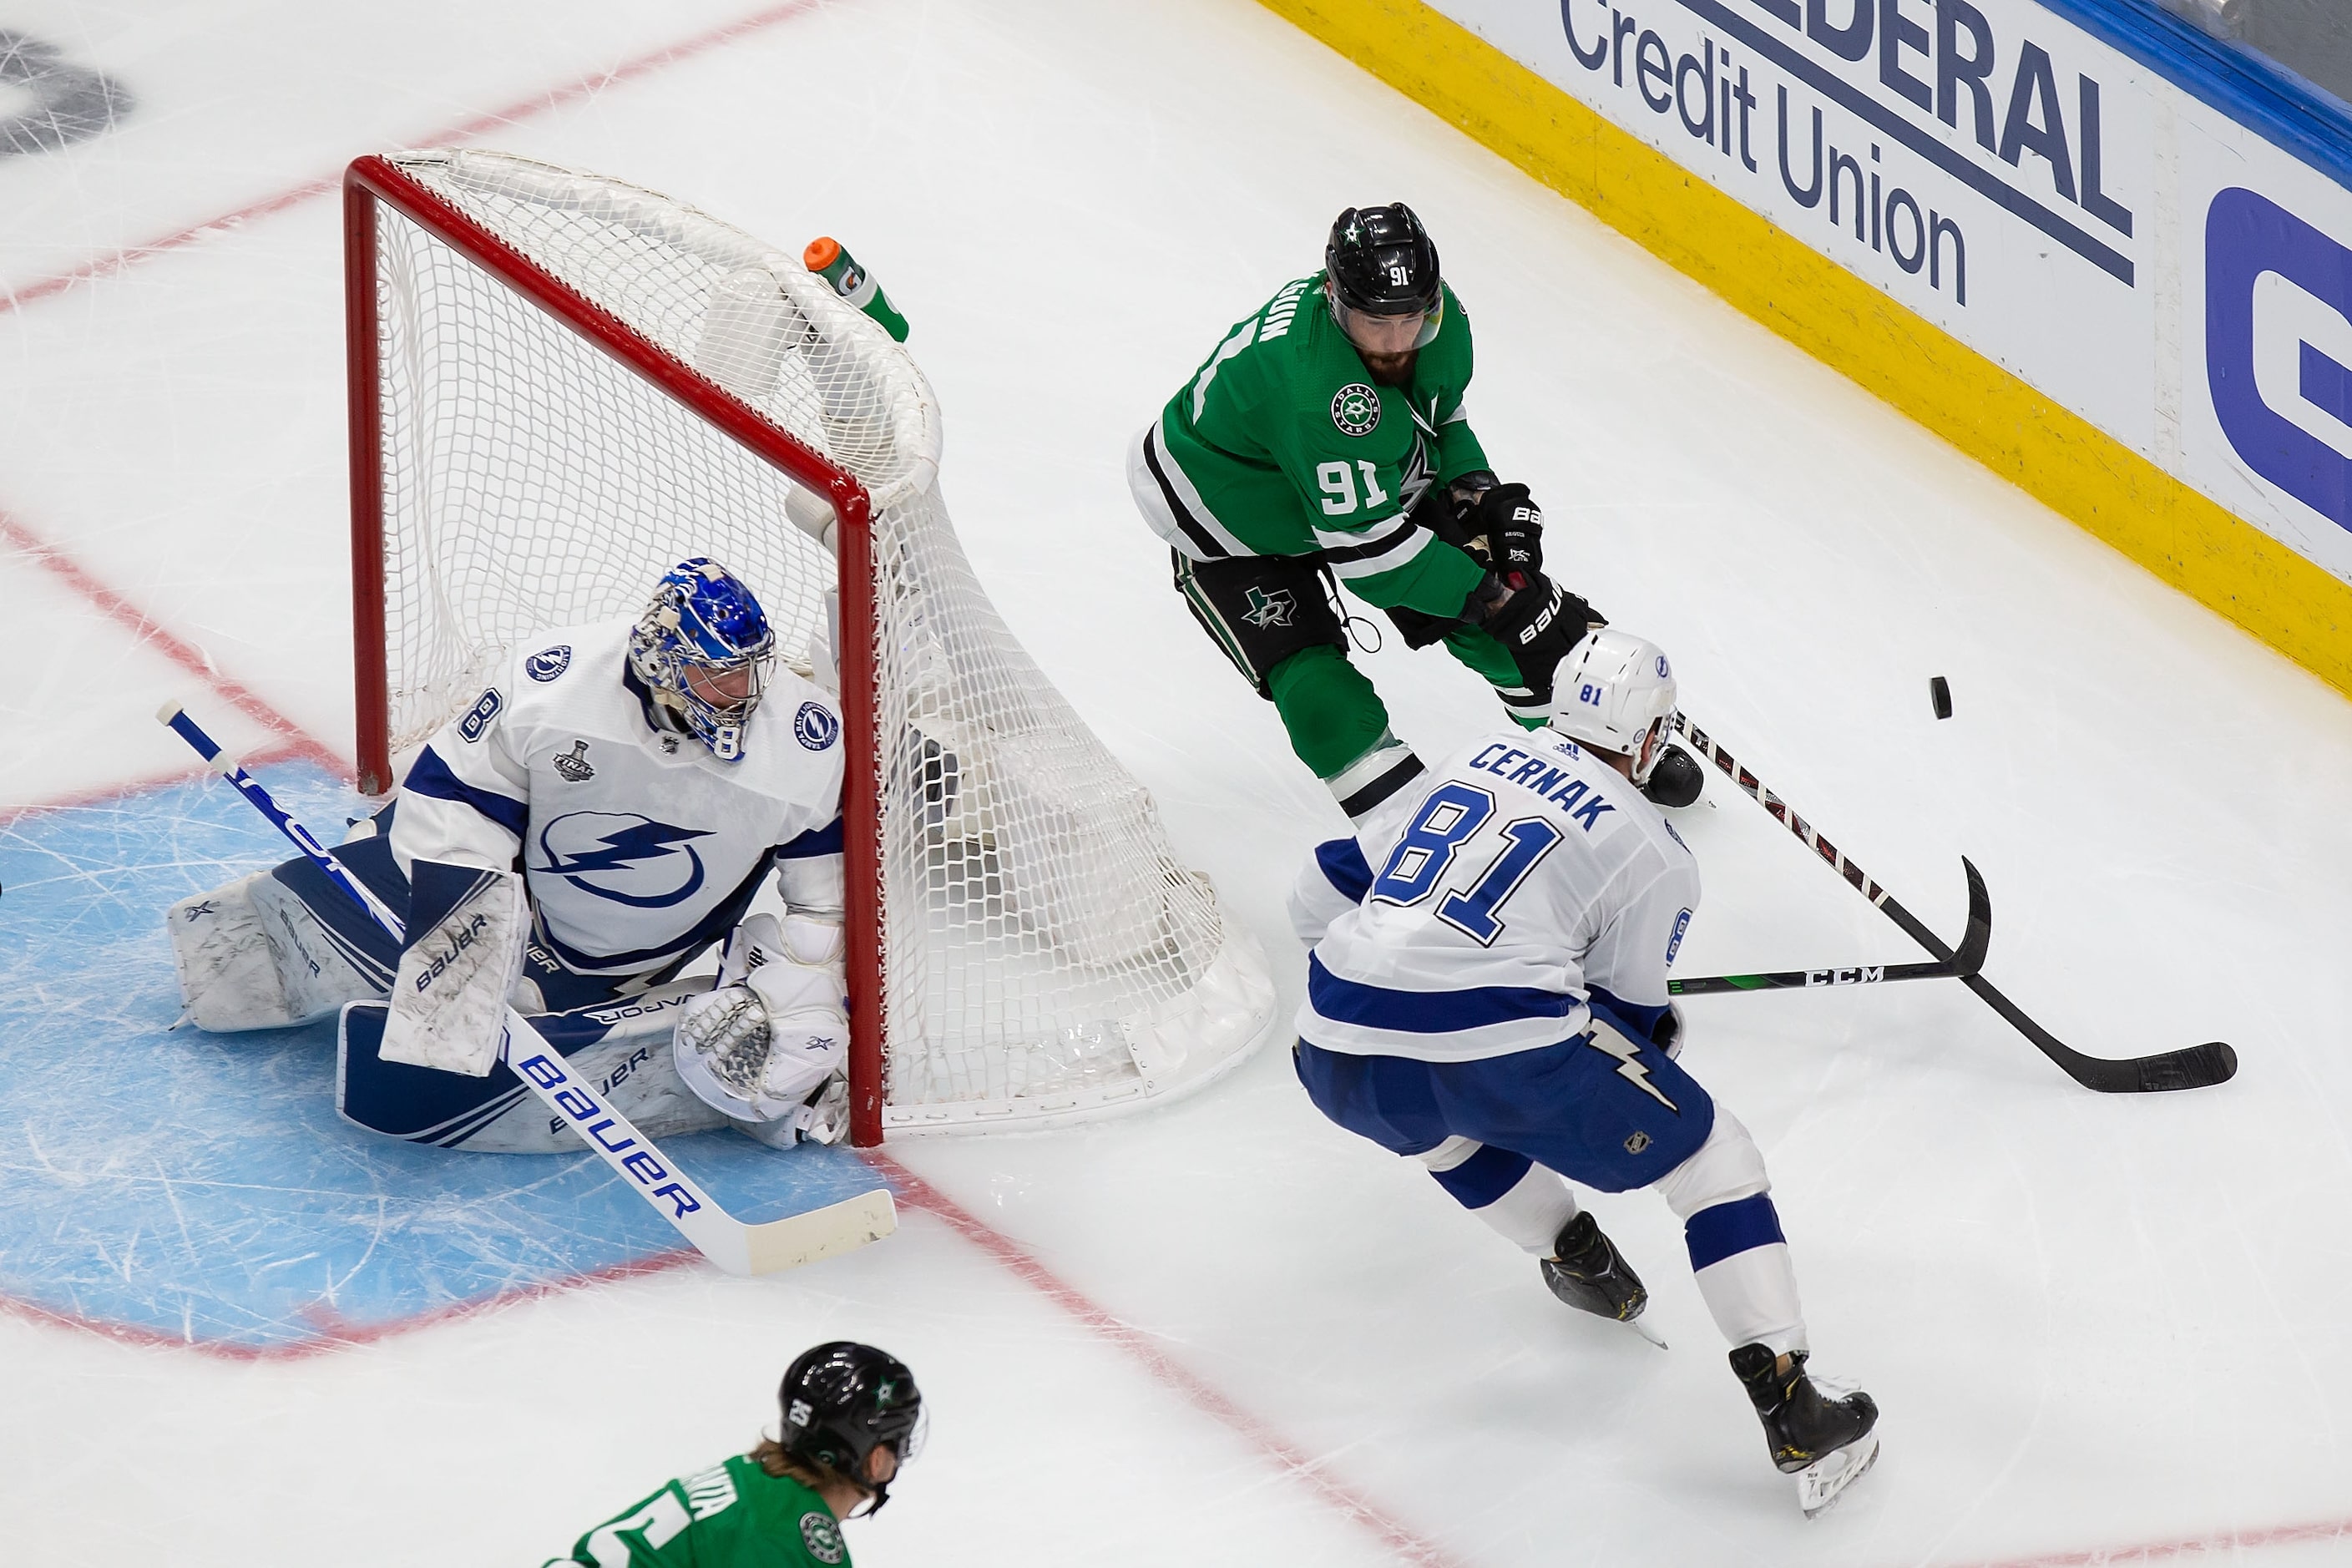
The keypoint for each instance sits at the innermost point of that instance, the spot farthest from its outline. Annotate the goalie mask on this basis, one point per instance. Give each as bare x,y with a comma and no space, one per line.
702,648
1615,692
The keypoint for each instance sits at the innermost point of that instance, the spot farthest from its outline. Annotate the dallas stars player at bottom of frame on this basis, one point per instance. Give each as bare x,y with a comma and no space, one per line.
851,1417
1324,444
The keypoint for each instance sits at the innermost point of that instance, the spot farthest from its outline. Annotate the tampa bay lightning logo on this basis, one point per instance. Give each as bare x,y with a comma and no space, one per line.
621,856
549,662
815,726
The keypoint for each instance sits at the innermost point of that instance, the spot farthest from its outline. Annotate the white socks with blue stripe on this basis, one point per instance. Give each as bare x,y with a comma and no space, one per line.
1525,1203
1736,1251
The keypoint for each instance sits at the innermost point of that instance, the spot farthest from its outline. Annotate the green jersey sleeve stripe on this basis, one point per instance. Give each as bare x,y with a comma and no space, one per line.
1364,540
1349,564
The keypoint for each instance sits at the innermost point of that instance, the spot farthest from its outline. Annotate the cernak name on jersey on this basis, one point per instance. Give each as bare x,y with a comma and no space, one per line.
1573,796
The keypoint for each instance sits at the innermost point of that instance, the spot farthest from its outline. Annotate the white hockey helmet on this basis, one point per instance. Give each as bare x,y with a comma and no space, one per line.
1614,691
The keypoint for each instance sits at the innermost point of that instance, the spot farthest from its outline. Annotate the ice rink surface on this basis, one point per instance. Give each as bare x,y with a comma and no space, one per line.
2101,1329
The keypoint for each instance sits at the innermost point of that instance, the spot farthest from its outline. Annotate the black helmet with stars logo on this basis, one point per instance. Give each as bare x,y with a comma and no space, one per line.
843,1400
1381,262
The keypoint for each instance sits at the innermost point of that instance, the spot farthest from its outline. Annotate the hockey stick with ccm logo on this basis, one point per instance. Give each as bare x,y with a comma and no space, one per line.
1963,963
2196,1066
735,1247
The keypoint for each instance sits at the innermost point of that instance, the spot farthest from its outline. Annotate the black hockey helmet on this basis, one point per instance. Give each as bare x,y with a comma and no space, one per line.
1381,262
842,1401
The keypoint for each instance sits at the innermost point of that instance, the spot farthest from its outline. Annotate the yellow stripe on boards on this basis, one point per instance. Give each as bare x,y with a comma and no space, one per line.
2049,451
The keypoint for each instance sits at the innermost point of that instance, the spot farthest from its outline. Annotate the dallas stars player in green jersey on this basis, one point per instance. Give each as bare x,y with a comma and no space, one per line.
1325,437
852,1415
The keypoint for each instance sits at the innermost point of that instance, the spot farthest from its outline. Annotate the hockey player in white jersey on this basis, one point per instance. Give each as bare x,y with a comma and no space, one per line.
599,816
1493,1002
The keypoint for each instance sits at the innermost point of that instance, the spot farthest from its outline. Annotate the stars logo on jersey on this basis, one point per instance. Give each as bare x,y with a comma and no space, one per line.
632,859
549,662
1356,409
573,764
1275,609
821,1537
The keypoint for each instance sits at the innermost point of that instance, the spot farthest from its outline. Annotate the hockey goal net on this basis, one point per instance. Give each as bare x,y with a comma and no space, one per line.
561,385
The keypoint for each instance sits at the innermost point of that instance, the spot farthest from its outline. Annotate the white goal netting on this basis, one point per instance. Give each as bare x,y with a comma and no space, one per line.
1044,954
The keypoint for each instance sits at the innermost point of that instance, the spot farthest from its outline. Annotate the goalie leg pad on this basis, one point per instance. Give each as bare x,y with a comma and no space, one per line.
465,947
256,954
228,969
620,1047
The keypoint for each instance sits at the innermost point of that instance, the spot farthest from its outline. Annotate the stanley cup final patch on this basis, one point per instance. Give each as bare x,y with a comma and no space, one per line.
1356,409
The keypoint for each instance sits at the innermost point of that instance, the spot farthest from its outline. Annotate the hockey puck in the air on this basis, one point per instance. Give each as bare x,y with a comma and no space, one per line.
1940,697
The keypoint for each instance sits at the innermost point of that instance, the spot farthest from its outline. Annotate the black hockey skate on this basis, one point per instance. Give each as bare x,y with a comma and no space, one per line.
1588,1272
1825,1440
1675,778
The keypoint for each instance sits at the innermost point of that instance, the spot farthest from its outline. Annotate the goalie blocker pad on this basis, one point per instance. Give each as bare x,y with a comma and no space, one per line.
449,1002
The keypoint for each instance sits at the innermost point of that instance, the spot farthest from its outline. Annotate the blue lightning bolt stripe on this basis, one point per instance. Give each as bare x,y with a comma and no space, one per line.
641,842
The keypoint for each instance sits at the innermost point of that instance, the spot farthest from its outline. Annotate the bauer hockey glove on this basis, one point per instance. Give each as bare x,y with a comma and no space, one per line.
1505,530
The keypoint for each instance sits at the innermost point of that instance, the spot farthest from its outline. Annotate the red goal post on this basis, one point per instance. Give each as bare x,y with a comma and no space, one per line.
1022,947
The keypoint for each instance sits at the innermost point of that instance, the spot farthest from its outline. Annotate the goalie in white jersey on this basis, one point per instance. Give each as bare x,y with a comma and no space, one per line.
598,817
1493,1001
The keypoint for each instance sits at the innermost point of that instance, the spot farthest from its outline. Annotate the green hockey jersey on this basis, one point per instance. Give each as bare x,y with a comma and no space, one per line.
732,1515
1283,444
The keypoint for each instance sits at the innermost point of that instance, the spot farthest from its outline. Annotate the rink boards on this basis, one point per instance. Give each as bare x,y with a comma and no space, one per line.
176,1186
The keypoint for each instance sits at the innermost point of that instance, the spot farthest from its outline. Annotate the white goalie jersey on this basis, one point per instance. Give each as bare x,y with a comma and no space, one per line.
636,846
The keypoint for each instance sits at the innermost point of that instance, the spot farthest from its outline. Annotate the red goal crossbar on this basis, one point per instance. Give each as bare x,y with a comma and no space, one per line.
370,180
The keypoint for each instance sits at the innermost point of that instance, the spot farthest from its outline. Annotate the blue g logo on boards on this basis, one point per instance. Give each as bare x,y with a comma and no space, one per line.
2278,299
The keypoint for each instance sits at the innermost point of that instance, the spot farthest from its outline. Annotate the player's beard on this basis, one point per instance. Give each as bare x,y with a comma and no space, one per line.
1390,370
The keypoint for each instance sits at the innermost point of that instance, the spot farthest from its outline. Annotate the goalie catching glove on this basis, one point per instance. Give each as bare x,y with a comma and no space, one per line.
448,1003
770,1045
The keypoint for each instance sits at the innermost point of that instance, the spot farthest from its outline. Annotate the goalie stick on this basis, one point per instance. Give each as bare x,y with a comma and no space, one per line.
735,1247
2196,1066
1960,965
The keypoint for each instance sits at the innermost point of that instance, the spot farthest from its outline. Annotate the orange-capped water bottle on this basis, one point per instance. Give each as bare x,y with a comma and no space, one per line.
826,256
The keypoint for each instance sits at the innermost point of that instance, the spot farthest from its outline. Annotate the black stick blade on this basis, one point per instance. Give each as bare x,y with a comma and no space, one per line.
1977,938
2199,1066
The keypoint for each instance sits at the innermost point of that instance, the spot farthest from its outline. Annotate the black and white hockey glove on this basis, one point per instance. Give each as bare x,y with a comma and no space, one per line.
1506,529
1538,624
